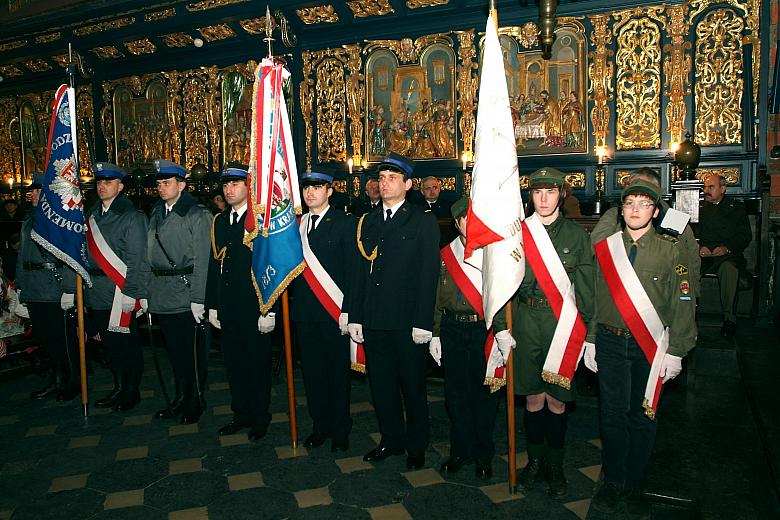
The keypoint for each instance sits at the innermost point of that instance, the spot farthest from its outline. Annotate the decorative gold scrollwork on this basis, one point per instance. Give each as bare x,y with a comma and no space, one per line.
600,73
306,95
447,183
363,8
37,65
340,185
731,175
205,5
406,49
217,32
142,46
104,26
48,38
467,84
524,182
575,180
638,79
319,14
356,186
195,115
356,96
677,66
10,71
621,178
177,39
416,4
9,46
159,15
467,183
719,83
527,35
331,119
108,52
84,108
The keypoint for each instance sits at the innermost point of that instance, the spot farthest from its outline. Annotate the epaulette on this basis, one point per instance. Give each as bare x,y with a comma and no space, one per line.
669,238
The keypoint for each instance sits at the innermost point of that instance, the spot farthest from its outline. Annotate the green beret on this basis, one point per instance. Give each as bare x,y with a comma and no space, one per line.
460,207
641,186
546,175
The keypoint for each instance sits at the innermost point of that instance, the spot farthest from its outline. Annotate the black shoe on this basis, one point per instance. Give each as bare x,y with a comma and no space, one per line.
728,329
559,487
453,464
231,428
165,413
110,400
531,474
315,440
257,432
381,453
483,470
607,498
636,508
48,390
68,393
127,401
339,444
189,419
415,461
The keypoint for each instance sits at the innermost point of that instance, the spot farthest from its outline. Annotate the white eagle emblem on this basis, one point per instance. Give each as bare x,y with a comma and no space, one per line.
66,184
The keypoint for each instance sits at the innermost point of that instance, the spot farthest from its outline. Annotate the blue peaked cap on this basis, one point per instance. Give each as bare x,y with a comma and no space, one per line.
107,170
167,169
309,178
234,172
397,162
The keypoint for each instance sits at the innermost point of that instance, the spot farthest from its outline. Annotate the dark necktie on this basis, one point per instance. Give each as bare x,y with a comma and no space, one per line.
389,214
632,253
235,217
312,224
167,211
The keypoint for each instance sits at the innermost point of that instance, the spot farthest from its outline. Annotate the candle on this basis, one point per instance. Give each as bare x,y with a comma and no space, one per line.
601,159
465,160
350,162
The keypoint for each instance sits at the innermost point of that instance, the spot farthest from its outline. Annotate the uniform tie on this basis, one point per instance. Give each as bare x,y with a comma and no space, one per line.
312,224
235,217
167,211
632,253
389,214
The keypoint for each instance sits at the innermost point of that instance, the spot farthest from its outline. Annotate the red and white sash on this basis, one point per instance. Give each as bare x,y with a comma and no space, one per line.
637,311
469,280
327,292
116,270
568,339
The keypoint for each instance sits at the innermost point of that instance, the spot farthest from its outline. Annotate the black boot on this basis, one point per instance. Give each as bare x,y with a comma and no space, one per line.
191,409
49,389
533,471
70,386
559,486
131,395
112,398
176,404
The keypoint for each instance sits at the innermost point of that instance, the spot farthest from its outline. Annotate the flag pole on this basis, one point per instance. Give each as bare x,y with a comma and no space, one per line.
289,360
71,70
510,411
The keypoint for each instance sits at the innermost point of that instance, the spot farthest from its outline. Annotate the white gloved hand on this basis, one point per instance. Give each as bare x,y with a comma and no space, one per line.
128,303
590,357
198,311
144,305
213,319
421,336
344,323
266,324
67,301
355,332
496,358
435,349
505,343
671,367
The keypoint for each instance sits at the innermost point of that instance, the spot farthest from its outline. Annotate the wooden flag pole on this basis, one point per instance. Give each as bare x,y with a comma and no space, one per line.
289,361
82,349
510,411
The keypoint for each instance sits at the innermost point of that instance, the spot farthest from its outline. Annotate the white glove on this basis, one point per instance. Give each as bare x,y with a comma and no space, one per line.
496,358
355,332
144,305
128,303
671,367
505,343
198,311
435,349
421,336
590,357
213,319
66,301
344,323
266,324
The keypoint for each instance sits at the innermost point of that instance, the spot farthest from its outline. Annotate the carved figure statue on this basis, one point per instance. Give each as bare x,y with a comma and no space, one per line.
551,122
378,132
571,121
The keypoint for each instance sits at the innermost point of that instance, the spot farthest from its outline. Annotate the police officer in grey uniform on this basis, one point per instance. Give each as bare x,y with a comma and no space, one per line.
178,248
46,286
124,228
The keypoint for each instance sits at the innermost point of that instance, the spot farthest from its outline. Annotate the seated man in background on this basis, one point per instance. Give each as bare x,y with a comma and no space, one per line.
432,199
372,200
724,233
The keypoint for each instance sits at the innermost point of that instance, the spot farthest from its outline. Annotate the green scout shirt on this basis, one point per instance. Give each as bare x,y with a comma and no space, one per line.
660,266
450,299
572,244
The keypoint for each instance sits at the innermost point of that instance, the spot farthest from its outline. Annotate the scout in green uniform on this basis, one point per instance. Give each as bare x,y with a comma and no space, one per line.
459,336
534,325
627,430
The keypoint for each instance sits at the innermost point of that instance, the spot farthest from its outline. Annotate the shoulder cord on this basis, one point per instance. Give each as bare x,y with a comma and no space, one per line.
218,255
373,254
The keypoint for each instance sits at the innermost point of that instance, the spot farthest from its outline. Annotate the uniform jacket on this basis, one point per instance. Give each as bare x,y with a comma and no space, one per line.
124,229
363,206
185,235
660,267
333,243
399,290
230,288
724,224
40,285
440,208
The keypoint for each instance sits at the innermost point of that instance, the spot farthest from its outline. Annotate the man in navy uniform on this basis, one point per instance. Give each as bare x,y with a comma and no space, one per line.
372,199
393,298
234,308
118,228
178,245
328,237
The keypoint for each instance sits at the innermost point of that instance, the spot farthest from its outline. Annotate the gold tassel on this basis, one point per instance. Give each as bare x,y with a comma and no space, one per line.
649,412
556,379
358,367
495,383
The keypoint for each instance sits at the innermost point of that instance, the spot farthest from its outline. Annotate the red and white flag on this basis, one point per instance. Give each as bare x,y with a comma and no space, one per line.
496,208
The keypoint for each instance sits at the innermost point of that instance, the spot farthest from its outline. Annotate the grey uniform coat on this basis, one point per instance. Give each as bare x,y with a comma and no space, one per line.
124,229
45,285
185,235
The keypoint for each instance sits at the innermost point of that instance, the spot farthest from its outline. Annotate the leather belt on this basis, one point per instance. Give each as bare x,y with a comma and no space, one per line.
538,302
173,272
462,317
32,266
621,333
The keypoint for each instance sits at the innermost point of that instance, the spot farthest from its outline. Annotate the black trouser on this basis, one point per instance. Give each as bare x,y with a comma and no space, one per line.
125,352
396,368
57,334
471,406
627,434
247,355
180,333
325,357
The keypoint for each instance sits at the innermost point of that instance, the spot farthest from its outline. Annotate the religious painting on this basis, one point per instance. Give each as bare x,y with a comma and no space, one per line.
142,131
548,97
33,140
411,108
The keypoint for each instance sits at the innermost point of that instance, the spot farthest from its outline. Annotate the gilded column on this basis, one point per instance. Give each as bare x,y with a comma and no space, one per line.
467,84
307,103
356,96
677,67
600,73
